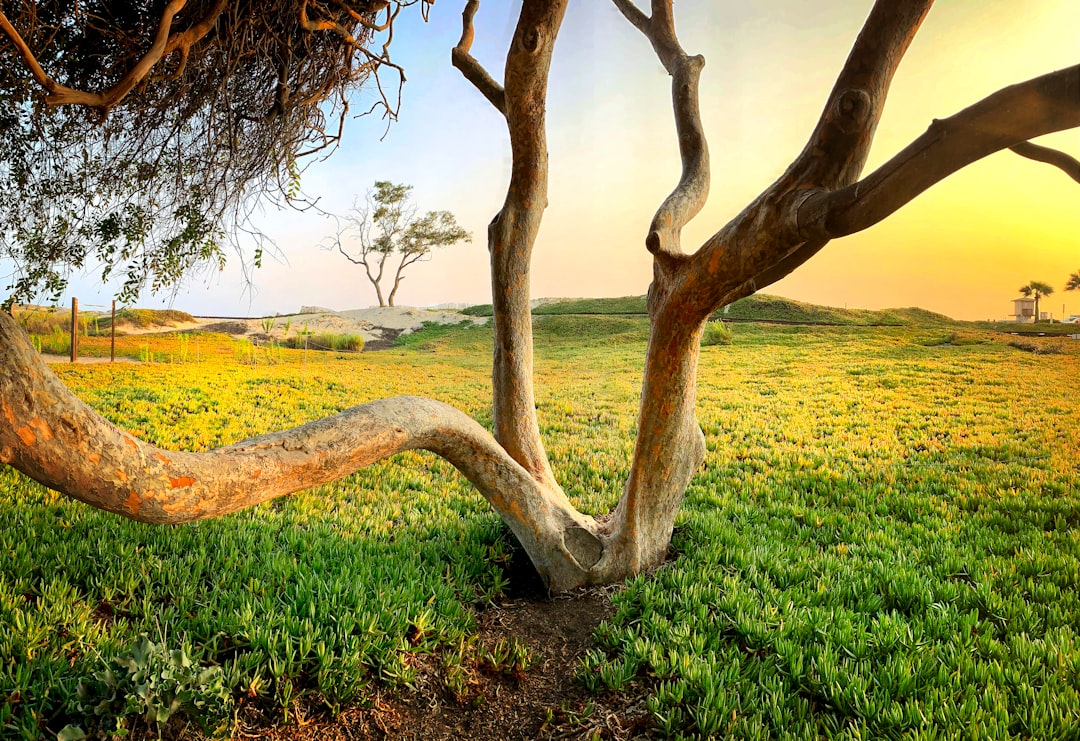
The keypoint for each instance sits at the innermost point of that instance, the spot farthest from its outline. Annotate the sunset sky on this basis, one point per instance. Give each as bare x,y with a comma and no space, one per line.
962,249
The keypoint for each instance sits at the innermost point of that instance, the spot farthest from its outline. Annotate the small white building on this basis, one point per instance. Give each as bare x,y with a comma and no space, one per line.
1024,310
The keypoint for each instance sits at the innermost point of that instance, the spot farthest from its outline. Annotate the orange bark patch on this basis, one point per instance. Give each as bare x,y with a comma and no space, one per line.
132,443
94,458
173,508
122,477
8,414
42,427
133,503
714,263
181,481
257,473
26,435
162,458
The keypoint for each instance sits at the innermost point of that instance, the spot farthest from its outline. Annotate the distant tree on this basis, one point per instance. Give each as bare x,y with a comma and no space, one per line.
1073,283
50,435
1036,289
386,225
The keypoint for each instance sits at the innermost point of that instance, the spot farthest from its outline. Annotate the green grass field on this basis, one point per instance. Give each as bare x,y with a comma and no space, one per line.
883,542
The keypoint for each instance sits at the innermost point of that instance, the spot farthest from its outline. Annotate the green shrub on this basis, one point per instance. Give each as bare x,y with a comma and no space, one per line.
56,342
40,321
154,683
716,333
147,318
326,341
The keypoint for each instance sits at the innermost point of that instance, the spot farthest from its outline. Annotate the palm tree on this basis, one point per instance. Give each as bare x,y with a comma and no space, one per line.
1074,282
1038,290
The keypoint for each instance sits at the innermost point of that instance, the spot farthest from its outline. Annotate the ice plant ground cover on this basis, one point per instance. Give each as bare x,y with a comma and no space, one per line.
884,540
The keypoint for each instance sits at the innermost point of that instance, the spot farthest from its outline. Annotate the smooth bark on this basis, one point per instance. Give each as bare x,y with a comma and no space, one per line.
1064,162
512,233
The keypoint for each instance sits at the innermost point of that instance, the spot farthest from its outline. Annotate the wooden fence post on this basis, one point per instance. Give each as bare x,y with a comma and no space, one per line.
74,330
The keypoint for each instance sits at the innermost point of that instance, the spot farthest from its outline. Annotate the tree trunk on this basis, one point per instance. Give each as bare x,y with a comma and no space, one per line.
670,445
512,233
398,277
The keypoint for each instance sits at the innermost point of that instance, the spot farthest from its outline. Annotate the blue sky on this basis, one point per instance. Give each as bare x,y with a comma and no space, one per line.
962,249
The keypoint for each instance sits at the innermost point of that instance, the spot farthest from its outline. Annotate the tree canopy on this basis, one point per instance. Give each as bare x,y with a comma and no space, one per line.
137,135
386,224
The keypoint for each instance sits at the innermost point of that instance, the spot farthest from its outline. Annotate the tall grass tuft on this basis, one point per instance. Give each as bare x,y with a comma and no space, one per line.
716,333
325,341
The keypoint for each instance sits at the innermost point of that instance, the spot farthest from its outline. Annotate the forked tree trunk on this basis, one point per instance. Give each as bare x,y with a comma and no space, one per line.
398,277
51,436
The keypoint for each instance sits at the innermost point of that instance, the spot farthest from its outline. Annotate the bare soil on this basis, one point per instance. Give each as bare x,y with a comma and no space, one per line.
543,702
84,359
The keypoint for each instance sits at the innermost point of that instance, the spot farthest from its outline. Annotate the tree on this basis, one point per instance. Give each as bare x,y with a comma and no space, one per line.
1073,283
386,225
1038,290
161,122
823,195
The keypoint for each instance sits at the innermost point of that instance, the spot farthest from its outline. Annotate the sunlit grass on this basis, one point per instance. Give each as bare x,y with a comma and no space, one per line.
882,540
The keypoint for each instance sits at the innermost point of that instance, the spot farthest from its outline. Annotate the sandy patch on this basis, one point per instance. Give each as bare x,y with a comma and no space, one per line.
376,325
127,329
84,360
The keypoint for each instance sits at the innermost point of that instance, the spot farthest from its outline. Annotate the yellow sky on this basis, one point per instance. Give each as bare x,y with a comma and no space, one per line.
962,248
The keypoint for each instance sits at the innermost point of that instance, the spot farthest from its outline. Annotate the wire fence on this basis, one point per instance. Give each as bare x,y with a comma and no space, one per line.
84,322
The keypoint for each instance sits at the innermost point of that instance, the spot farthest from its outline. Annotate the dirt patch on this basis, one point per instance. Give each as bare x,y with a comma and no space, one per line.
544,701
385,341
85,360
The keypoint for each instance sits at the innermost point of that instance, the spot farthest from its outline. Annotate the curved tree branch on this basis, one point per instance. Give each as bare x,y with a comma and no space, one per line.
50,435
183,41
836,151
61,95
27,56
1064,162
670,445
744,255
1000,121
692,190
471,69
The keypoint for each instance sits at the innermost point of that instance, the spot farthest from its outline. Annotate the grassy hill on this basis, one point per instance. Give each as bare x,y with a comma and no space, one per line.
760,307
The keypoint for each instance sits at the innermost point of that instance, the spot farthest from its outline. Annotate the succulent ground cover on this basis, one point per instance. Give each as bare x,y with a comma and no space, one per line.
883,543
